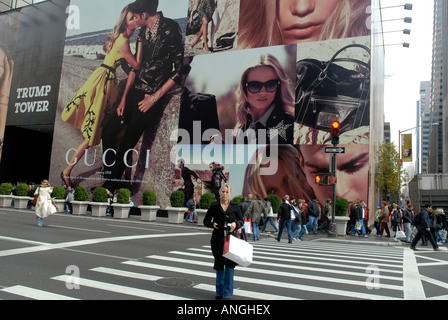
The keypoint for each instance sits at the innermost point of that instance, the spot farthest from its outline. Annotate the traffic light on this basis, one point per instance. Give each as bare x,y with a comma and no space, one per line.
335,132
322,179
325,179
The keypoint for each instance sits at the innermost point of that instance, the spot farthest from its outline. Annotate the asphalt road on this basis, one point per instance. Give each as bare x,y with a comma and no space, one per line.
105,259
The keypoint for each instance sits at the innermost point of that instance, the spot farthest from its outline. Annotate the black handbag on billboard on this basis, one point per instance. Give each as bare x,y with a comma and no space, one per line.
327,91
194,23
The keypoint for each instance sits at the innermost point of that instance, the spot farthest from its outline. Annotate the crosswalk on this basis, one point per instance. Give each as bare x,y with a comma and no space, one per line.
281,271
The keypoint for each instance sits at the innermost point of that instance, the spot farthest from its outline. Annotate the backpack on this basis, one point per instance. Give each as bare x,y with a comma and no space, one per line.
192,205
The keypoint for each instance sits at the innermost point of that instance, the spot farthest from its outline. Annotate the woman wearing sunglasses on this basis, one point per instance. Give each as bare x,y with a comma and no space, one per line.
263,101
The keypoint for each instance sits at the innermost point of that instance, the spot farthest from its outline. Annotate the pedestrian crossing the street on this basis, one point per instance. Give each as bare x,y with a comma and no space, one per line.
281,271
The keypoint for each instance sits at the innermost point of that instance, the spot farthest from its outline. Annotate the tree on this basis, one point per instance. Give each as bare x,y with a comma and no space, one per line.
389,175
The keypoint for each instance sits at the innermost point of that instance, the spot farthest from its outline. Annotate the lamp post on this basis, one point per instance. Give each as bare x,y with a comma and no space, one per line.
399,145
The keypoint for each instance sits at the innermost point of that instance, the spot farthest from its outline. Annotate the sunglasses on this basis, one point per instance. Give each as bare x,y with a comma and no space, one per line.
256,86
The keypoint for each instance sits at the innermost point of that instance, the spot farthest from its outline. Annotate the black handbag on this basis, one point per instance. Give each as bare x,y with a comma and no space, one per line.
327,91
194,23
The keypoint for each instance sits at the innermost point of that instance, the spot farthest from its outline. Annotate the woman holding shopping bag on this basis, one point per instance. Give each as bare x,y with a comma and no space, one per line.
223,215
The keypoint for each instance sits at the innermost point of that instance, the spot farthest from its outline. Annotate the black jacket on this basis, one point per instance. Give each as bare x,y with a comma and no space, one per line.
284,212
423,219
215,214
279,120
408,216
312,209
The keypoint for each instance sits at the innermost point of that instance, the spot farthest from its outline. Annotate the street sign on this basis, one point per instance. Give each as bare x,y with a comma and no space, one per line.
338,150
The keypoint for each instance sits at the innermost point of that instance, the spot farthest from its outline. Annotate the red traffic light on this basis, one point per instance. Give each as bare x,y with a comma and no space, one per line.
335,132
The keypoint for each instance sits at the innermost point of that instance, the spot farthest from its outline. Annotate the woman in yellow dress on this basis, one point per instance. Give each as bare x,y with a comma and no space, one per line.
86,109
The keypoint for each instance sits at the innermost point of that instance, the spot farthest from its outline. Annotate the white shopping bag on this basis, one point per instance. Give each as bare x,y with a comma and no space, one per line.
237,250
400,234
248,226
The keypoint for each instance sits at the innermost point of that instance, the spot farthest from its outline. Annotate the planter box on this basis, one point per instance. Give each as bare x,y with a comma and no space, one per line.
121,211
148,213
201,215
341,225
61,204
99,208
79,207
5,201
176,215
21,202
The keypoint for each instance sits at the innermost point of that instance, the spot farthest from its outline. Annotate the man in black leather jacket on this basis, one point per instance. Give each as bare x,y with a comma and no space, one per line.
423,228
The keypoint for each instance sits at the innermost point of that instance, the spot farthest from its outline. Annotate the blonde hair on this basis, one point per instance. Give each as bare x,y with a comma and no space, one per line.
119,28
283,98
295,181
226,185
259,17
348,20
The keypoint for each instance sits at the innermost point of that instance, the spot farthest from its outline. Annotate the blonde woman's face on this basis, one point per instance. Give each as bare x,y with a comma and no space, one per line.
302,20
132,20
224,193
261,100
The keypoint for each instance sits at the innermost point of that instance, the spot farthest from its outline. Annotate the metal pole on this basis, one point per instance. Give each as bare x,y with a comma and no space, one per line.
332,232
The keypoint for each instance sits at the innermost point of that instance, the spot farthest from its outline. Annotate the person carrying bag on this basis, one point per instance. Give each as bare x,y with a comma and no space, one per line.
223,216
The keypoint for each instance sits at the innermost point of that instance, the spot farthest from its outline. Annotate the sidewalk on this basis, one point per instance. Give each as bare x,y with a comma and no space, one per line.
324,237
320,236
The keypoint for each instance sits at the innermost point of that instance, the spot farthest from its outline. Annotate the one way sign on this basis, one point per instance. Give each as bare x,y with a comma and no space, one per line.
338,150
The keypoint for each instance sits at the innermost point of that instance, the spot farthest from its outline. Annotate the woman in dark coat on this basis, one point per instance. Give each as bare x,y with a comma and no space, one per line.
221,216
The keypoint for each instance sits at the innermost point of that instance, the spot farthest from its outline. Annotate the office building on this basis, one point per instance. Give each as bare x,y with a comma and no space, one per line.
438,162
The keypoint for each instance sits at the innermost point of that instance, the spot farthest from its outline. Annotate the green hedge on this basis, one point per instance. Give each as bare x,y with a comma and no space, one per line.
58,192
177,199
149,198
99,195
81,194
206,200
341,207
5,188
123,196
22,190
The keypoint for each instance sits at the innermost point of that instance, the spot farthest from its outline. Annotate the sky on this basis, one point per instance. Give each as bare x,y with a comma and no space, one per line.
405,68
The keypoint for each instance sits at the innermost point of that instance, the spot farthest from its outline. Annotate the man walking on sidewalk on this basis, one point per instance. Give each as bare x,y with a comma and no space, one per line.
423,228
312,212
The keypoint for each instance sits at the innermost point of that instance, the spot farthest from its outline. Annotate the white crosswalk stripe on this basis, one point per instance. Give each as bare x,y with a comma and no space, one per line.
280,271
35,294
123,289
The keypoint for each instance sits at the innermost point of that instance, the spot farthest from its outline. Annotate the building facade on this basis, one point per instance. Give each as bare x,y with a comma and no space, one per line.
438,162
423,127
213,90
